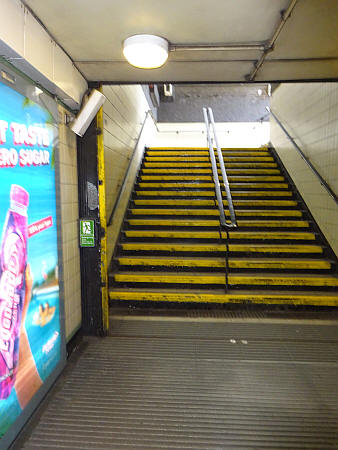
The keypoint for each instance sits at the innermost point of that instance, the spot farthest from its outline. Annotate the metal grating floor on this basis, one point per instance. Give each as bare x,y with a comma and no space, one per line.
167,384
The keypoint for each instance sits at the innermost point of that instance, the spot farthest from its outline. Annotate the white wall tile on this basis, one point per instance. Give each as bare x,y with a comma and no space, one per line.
69,222
309,111
124,112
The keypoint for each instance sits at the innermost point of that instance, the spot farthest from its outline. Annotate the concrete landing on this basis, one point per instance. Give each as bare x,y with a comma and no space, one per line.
212,382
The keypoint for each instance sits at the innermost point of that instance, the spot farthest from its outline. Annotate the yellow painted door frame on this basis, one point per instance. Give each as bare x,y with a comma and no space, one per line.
103,220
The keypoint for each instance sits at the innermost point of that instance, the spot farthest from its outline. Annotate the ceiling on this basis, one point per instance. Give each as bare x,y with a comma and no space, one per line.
92,32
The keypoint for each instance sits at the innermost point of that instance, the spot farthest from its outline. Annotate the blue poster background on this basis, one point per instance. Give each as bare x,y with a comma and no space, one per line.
39,181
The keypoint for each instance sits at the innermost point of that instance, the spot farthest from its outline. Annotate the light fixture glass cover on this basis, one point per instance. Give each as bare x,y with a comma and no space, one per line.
146,51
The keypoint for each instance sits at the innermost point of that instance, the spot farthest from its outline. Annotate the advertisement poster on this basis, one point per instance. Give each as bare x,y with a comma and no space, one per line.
30,340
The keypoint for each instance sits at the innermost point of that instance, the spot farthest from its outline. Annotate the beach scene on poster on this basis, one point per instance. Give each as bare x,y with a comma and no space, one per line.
30,341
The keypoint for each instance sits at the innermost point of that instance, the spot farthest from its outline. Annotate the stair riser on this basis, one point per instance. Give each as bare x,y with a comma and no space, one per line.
210,264
203,171
205,154
197,149
200,214
230,165
240,203
211,249
207,178
206,159
221,285
199,194
206,235
234,271
178,223
210,204
211,186
234,280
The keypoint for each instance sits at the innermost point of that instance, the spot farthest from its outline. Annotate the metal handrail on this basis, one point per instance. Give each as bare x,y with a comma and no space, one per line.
306,159
123,186
210,124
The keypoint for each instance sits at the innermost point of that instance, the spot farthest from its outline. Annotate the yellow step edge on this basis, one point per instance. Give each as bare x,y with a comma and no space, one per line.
209,171
240,263
206,153
192,165
219,278
195,178
263,148
319,299
215,223
199,202
206,158
280,235
249,248
215,212
212,194
199,185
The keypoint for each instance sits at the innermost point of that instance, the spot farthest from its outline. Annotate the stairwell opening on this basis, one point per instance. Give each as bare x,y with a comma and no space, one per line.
168,248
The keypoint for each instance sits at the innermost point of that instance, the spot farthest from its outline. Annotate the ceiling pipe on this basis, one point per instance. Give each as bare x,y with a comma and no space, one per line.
269,47
215,47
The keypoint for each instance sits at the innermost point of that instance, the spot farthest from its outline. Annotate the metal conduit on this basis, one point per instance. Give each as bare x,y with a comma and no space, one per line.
269,47
215,47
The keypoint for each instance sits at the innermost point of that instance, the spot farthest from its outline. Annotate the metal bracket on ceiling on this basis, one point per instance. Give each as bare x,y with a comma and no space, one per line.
285,15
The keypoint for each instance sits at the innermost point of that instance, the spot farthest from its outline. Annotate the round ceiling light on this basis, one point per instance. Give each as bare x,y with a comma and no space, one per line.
146,51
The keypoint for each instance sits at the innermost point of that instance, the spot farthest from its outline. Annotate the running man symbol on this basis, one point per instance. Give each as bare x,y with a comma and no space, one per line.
87,233
86,228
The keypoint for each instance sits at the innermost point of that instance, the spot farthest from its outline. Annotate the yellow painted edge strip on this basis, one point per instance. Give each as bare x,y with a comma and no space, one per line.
243,165
215,223
205,153
212,194
202,278
192,202
214,212
276,299
230,171
261,248
204,158
263,148
103,221
192,178
220,262
198,185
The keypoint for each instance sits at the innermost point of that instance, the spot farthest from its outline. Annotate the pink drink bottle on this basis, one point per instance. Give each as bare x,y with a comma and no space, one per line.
13,259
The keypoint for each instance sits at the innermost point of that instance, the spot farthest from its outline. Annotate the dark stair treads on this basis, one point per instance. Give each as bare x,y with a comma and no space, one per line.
170,248
219,296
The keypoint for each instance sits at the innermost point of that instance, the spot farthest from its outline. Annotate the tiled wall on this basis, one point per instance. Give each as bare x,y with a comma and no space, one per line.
309,111
123,115
229,134
68,189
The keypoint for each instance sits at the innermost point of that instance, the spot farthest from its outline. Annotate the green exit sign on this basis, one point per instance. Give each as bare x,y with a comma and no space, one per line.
87,233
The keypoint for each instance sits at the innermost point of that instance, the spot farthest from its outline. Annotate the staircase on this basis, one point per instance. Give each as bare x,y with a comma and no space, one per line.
171,248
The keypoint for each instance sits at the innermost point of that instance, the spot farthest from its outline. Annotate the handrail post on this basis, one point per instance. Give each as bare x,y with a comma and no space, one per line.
210,123
214,170
224,175
227,261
